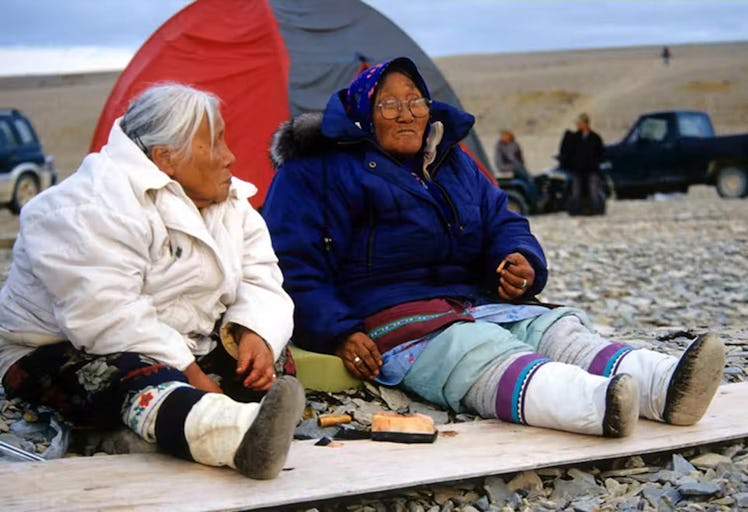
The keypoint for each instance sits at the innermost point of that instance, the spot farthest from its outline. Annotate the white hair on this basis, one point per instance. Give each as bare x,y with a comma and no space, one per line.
169,114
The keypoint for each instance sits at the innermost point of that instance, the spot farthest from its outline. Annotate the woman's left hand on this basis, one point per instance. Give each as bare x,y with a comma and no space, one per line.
516,276
255,366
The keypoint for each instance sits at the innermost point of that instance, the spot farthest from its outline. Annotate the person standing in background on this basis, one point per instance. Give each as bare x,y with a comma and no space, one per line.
665,55
508,155
581,153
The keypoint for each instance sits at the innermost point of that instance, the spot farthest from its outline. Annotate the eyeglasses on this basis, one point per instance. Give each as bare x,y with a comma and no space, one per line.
390,109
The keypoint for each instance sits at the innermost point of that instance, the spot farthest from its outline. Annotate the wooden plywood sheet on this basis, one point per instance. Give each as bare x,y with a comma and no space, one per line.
157,482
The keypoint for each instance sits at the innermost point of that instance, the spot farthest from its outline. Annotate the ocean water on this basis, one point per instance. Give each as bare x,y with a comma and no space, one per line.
49,36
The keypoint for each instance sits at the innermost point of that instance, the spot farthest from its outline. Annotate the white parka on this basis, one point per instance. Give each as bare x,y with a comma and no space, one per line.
117,258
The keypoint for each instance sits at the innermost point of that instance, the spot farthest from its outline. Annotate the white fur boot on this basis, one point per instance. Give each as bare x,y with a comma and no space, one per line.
677,391
253,438
528,388
565,397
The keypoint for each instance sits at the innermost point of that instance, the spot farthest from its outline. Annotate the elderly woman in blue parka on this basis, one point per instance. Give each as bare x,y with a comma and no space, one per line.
403,259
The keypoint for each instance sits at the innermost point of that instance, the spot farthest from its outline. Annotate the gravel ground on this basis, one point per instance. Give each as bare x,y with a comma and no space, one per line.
652,273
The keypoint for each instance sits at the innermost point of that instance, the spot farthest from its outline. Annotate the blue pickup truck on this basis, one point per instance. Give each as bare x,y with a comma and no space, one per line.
672,150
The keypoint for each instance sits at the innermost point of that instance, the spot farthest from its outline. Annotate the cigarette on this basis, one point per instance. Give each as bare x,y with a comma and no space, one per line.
330,420
504,263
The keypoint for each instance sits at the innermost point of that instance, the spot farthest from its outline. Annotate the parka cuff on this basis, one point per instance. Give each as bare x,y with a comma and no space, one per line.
231,344
227,339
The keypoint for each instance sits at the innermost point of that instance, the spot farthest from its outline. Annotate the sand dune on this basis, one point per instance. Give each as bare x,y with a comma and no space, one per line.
536,94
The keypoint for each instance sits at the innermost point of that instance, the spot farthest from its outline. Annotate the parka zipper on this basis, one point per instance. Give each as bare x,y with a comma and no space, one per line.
444,191
451,205
429,177
370,241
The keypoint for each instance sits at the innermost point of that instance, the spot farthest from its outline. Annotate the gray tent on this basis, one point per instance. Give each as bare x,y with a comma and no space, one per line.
329,41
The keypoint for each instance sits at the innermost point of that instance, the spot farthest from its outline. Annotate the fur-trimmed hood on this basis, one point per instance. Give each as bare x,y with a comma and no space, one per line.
297,138
315,133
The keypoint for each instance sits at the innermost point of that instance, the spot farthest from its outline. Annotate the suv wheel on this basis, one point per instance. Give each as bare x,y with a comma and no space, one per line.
27,186
732,183
516,202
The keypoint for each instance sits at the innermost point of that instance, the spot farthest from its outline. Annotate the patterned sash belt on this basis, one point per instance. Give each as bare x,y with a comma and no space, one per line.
412,320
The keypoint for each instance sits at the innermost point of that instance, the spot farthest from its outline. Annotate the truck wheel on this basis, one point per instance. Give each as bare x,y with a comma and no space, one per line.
516,202
27,186
610,188
732,183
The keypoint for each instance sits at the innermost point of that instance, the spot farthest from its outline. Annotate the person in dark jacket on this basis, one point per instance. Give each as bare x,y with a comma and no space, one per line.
581,153
403,260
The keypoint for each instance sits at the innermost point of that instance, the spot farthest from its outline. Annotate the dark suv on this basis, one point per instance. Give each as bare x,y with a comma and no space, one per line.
24,169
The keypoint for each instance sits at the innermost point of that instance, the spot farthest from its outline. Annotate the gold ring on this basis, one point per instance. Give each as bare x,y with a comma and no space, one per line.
356,360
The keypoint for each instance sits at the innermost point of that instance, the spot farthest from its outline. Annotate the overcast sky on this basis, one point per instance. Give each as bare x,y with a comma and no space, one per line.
40,36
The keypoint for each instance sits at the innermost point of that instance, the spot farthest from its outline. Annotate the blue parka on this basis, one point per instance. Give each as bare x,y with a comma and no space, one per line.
355,232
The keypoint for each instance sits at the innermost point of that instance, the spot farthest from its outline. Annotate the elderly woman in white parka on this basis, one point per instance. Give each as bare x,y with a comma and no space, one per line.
141,270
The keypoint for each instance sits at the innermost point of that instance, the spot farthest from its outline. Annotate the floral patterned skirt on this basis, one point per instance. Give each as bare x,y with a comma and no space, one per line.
92,390
89,390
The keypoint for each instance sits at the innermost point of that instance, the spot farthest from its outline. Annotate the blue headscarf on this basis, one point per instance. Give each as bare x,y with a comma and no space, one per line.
359,97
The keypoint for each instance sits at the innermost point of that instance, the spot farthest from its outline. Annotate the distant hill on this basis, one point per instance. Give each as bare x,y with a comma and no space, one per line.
537,95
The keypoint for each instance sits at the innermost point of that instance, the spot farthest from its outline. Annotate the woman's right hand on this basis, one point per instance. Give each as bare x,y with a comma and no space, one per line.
199,380
360,356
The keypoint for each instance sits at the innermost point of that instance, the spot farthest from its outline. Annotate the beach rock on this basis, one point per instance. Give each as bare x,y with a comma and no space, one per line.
442,494
364,411
615,488
694,488
497,489
741,499
710,460
652,495
439,417
320,407
527,481
395,399
582,484
482,504
668,476
466,498
672,496
681,466
464,418
627,472
726,501
550,472
447,507
309,429
586,504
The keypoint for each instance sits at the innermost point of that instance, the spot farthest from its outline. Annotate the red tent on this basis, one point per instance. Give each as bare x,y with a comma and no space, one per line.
267,60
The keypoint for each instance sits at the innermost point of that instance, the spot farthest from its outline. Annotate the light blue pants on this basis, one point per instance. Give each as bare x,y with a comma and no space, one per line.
454,360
